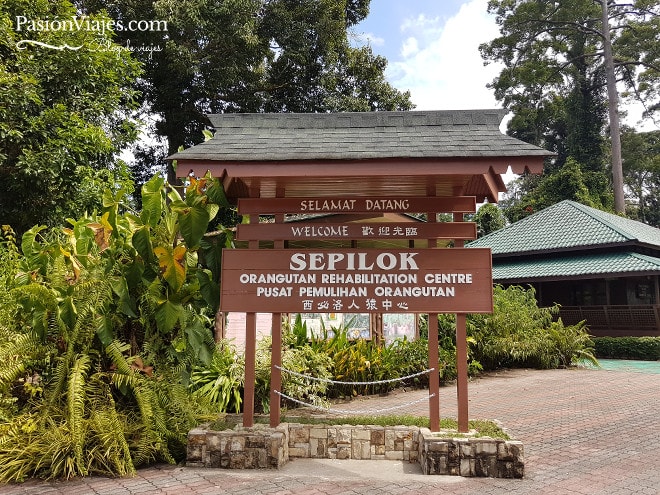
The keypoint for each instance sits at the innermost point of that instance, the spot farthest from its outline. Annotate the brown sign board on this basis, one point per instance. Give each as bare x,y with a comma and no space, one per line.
357,280
315,206
355,231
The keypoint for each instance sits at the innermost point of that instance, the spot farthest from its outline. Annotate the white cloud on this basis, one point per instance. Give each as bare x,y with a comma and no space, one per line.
420,22
410,47
446,70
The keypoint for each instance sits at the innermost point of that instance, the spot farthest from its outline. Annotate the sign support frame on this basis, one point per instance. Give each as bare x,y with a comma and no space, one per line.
433,343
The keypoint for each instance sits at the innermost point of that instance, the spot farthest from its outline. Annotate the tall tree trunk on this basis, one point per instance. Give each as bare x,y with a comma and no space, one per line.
613,106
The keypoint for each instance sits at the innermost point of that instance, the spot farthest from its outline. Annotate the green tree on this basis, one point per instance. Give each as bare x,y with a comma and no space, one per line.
641,169
570,182
250,56
489,218
554,76
312,67
64,115
358,84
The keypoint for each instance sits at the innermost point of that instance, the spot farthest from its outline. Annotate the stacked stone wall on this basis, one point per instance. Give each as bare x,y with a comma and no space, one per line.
470,457
261,447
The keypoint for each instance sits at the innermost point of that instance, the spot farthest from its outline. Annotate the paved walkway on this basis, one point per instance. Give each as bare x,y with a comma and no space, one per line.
584,432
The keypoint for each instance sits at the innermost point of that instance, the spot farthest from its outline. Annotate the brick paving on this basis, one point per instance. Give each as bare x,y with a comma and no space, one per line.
585,432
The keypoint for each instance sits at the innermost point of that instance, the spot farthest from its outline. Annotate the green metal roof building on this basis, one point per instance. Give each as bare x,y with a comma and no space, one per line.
599,267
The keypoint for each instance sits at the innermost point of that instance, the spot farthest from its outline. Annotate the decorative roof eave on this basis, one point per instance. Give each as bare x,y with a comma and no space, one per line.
479,177
393,166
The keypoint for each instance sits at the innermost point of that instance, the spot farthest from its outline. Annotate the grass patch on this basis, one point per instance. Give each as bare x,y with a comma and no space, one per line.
392,420
483,428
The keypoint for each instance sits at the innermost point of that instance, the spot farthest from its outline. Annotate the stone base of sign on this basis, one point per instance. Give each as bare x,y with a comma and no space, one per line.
259,447
470,457
262,447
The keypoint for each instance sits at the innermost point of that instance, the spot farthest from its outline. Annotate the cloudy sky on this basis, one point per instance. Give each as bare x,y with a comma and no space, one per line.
432,50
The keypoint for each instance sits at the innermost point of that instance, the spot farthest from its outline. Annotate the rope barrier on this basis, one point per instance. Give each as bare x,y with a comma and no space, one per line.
348,411
378,382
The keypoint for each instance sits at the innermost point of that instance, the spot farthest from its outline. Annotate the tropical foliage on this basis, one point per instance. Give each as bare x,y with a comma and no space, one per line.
489,218
641,169
521,334
102,325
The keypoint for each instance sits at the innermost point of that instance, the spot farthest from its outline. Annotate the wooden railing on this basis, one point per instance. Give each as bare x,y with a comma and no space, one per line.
615,320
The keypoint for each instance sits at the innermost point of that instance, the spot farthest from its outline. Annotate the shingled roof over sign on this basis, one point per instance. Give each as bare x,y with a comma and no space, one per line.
419,153
359,136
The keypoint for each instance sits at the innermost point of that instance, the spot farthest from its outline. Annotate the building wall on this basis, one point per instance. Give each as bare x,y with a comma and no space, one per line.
621,306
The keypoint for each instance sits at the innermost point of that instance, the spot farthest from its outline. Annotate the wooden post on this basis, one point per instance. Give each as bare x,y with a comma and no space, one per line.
276,352
461,371
434,378
276,372
250,355
461,355
434,346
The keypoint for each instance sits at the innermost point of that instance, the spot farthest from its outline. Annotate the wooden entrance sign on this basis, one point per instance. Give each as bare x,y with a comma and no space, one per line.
375,281
357,280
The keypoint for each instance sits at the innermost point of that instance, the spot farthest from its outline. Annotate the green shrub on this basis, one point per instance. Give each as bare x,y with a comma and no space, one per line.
302,360
643,348
100,326
572,343
521,334
219,384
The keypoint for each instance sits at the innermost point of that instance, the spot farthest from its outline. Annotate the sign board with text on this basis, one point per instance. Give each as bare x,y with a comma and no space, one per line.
355,231
357,280
264,206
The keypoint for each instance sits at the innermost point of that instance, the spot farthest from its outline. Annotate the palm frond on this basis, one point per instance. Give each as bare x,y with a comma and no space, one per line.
115,351
91,297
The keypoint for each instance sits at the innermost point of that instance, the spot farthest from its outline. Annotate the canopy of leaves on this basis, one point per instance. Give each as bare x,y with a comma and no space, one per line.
552,51
529,194
64,114
489,218
250,56
553,81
